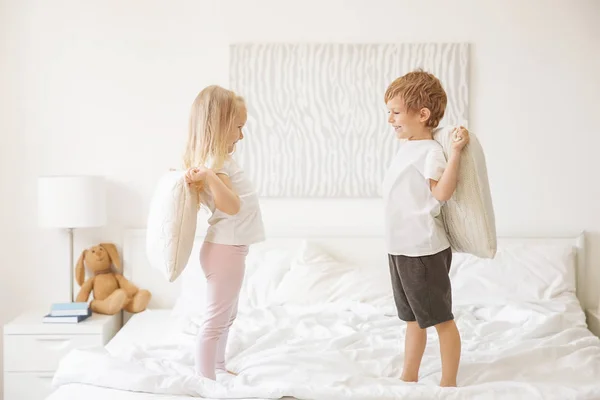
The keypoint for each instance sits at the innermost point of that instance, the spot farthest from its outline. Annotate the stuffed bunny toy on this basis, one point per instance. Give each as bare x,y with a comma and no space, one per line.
112,291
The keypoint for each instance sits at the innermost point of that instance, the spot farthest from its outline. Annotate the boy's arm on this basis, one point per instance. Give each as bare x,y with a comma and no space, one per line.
443,189
224,196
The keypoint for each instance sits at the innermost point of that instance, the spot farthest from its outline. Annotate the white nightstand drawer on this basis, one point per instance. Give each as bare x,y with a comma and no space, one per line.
41,352
33,350
27,385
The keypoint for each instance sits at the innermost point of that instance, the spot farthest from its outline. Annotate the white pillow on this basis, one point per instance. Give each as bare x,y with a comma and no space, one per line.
519,272
266,264
316,277
469,215
265,268
171,225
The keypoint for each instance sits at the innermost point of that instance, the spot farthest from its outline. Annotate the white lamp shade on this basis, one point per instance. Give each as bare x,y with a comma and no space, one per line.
71,201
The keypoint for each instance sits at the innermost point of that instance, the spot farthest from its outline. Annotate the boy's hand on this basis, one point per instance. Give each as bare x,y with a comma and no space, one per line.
461,138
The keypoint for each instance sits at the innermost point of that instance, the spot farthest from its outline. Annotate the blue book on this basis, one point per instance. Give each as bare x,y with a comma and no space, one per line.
70,309
64,320
70,306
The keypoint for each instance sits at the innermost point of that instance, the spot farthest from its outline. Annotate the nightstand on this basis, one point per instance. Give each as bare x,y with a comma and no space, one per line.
593,321
33,349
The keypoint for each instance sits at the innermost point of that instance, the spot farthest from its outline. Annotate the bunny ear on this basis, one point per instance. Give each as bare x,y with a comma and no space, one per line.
112,251
80,270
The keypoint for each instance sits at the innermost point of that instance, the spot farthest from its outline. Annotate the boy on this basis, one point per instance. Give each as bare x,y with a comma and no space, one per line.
416,184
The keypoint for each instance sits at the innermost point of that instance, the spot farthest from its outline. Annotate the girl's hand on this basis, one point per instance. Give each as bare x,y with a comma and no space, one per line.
196,175
460,138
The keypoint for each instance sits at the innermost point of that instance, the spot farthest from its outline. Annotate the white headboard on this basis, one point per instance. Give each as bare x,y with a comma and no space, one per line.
349,229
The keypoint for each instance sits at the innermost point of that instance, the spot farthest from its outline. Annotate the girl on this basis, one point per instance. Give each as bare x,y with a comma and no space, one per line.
216,122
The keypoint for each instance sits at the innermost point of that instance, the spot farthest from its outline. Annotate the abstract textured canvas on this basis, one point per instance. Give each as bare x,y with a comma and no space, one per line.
317,123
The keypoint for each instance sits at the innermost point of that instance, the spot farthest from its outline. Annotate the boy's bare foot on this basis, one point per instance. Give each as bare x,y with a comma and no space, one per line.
448,384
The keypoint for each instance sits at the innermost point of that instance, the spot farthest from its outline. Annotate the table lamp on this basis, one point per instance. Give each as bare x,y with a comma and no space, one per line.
69,202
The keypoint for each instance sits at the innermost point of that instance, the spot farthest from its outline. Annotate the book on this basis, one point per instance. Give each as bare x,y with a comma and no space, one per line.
74,319
70,306
70,309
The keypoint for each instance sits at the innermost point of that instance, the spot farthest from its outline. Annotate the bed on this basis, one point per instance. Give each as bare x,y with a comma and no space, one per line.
317,321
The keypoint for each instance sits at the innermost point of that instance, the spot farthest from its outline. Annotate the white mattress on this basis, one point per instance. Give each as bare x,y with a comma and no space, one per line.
150,326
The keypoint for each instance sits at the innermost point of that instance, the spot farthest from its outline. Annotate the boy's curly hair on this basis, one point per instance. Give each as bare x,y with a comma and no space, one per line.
419,89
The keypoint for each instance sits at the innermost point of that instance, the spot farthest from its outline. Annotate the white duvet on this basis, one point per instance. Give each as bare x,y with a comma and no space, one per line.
534,346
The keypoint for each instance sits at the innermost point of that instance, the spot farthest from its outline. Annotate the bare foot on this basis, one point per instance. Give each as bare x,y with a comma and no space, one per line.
223,371
409,378
448,384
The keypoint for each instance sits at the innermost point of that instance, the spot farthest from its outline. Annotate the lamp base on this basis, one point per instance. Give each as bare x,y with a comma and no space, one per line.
71,266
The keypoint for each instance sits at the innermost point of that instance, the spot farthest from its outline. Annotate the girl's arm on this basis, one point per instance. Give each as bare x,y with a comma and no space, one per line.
224,196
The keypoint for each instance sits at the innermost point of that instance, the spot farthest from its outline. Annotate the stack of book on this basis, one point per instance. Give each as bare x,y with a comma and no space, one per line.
69,313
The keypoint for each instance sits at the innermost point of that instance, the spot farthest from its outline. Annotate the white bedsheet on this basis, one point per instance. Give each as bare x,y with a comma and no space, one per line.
87,392
523,350
149,327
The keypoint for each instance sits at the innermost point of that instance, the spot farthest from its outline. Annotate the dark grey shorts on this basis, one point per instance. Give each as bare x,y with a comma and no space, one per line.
422,289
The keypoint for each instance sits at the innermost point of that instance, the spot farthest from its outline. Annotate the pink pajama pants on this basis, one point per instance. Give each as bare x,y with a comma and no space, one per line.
224,267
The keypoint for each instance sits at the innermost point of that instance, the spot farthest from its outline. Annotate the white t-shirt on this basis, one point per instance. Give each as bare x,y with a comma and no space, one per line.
244,228
413,225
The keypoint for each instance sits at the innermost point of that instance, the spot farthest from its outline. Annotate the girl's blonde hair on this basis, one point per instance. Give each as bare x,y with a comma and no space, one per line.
212,118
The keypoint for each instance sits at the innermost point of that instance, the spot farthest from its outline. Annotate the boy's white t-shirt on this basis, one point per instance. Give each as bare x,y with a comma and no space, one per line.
413,225
244,228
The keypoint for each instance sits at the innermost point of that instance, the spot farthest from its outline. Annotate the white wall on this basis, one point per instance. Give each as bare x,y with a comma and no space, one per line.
105,87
